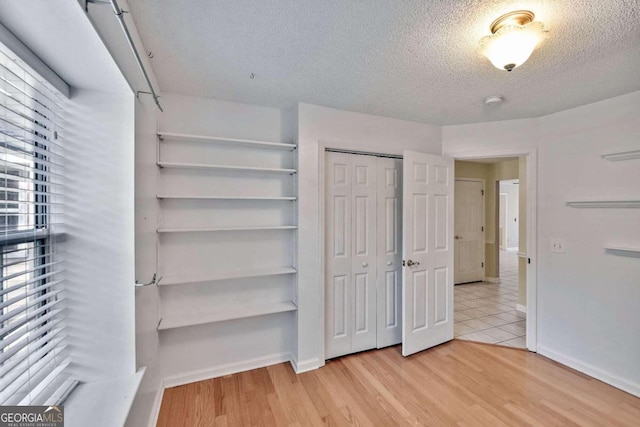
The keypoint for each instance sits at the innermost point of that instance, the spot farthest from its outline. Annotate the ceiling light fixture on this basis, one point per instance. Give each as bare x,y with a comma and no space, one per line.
514,36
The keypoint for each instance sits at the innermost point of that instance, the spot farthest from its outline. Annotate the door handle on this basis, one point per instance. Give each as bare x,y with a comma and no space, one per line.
412,263
365,264
458,237
389,263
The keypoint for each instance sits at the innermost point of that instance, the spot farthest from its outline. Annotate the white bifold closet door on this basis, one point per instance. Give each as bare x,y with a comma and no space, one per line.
362,253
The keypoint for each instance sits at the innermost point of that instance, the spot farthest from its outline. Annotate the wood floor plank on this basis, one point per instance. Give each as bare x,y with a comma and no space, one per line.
459,383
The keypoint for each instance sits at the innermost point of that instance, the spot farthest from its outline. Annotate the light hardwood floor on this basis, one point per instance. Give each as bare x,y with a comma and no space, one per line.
458,383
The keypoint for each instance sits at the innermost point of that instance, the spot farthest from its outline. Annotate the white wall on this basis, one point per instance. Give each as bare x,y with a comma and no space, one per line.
587,300
592,298
318,126
100,228
511,215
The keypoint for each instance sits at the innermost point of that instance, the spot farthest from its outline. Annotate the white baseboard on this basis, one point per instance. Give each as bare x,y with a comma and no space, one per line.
306,366
521,308
597,373
228,369
155,410
207,374
492,279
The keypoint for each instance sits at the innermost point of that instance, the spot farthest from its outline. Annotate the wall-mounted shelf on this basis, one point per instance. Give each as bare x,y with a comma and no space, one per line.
224,315
186,197
619,203
226,275
177,165
623,250
622,155
208,229
247,143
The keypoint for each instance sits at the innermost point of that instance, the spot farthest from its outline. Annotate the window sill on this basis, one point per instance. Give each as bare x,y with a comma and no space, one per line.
102,403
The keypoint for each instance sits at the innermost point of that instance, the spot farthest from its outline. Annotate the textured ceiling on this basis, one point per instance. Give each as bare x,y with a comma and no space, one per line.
408,59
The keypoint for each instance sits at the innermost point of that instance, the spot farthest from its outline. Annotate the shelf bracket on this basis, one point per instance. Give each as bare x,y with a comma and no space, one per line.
152,282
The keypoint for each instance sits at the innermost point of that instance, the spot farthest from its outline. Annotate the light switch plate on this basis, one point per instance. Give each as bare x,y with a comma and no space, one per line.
558,246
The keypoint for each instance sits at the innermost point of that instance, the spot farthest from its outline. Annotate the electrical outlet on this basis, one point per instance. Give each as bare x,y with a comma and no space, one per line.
558,246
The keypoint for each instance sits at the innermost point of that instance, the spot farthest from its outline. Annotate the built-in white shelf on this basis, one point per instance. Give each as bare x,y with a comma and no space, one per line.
177,165
193,319
226,275
628,203
186,197
622,155
248,143
207,229
626,250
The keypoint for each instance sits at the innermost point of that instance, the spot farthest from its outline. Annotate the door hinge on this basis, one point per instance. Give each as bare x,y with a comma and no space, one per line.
481,228
482,265
528,260
404,264
482,192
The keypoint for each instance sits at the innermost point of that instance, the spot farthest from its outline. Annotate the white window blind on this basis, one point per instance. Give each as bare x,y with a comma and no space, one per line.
34,357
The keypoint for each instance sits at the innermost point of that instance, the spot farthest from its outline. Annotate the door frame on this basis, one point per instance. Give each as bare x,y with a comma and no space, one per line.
323,147
501,220
484,238
531,155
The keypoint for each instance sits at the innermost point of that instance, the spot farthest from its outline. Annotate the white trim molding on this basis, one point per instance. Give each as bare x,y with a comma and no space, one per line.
157,403
207,374
521,308
228,369
622,155
597,373
305,366
522,255
492,279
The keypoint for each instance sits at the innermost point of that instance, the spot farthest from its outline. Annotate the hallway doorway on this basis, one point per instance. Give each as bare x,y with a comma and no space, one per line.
486,312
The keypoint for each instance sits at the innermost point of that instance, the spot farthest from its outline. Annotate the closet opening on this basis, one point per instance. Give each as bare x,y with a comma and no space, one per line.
363,251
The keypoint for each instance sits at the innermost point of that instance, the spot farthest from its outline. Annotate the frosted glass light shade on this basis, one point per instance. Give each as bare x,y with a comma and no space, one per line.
512,45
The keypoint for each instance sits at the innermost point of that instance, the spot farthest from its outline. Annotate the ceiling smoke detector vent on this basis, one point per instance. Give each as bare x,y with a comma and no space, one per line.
493,100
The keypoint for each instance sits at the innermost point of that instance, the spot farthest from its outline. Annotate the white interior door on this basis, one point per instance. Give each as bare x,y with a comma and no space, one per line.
350,254
427,292
338,255
469,231
363,252
389,265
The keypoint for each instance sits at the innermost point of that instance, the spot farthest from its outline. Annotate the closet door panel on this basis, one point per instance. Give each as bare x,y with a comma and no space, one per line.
389,257
338,252
363,264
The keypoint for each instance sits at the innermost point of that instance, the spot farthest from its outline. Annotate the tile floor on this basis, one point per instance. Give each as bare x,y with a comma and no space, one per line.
486,312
